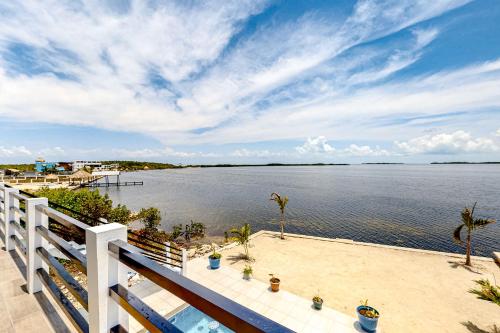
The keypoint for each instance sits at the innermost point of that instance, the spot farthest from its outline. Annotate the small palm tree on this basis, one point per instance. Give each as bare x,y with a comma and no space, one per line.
471,223
282,202
242,236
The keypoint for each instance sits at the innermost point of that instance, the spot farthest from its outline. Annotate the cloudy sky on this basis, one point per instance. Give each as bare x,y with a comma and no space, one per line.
250,81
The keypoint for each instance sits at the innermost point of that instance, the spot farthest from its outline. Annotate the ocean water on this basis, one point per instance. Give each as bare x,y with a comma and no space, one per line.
406,205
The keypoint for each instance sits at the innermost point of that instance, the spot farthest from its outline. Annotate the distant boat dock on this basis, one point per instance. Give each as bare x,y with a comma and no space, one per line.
106,174
109,184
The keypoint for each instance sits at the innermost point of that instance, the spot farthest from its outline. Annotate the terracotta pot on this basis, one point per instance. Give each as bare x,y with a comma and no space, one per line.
275,284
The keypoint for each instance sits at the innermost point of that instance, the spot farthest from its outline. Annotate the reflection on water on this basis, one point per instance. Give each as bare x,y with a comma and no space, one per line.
407,205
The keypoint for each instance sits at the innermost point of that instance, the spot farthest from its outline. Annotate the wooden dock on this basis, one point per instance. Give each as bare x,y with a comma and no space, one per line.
109,184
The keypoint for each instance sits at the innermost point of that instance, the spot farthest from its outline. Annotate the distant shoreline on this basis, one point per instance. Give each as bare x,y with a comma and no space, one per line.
131,166
465,163
381,163
261,165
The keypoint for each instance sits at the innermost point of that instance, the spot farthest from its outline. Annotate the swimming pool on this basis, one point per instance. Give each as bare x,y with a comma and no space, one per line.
191,320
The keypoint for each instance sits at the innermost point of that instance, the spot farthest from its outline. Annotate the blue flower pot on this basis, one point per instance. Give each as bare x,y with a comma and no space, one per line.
368,324
214,263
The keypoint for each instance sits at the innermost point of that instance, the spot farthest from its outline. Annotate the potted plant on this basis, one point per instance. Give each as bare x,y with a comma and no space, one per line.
247,271
275,283
214,259
318,302
367,316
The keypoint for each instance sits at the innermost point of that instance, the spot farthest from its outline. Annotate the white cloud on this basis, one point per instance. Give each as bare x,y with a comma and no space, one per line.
425,36
447,143
458,142
355,150
115,54
497,133
51,152
15,151
156,153
319,145
348,114
315,145
256,153
212,84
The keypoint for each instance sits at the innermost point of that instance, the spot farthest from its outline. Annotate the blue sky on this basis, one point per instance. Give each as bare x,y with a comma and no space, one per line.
250,81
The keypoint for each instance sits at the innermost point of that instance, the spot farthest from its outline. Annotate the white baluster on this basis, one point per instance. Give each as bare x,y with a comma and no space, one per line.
184,262
9,231
35,218
168,254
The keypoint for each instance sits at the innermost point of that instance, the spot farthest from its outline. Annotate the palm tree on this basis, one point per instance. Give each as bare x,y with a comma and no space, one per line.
281,201
242,236
471,223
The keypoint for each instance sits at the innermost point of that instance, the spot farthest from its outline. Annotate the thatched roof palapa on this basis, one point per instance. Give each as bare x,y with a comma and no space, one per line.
81,174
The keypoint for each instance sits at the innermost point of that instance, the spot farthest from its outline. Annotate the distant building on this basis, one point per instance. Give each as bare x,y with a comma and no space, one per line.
107,167
12,172
77,165
65,166
94,165
42,166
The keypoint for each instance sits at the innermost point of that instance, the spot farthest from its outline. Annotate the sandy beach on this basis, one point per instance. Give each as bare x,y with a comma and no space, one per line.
415,290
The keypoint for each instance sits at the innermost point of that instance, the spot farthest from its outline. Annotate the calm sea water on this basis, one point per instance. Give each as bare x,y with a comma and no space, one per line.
406,205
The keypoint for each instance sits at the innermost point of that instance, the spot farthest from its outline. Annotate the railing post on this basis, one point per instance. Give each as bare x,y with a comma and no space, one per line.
184,262
35,218
104,271
168,253
2,212
9,231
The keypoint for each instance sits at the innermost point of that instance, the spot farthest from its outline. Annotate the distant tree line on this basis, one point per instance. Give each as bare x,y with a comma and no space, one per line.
258,165
137,165
20,167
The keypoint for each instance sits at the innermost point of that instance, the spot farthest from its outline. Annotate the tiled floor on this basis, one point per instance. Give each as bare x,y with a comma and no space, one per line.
19,311
283,307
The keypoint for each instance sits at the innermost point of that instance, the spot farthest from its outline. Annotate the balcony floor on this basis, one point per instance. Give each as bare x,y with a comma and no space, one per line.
283,307
20,311
288,309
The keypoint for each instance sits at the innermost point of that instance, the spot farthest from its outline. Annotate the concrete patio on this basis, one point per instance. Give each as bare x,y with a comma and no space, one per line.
283,307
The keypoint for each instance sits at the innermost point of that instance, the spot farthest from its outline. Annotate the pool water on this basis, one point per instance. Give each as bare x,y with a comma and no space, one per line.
191,320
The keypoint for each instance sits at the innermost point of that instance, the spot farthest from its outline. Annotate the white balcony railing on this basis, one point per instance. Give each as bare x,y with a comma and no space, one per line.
24,223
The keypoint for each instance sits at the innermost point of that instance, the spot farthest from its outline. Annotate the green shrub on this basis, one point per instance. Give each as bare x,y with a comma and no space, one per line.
150,217
91,204
487,292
